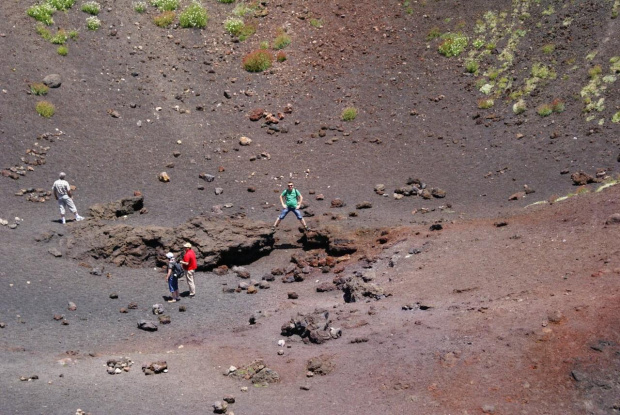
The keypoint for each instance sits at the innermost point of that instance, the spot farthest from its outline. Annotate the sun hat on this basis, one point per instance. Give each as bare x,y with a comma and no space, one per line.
169,255
187,245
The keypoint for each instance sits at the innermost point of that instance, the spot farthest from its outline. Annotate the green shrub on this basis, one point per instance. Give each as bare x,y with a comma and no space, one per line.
348,114
595,71
490,46
544,110
543,72
264,44
91,7
281,41
93,23
615,64
61,4
281,56
485,103
195,15
62,50
557,105
166,5
139,6
434,33
493,75
226,1
472,66
246,31
453,44
616,117
42,30
73,34
164,19
478,43
549,11
60,38
548,48
45,109
233,25
39,88
318,23
519,107
42,13
258,61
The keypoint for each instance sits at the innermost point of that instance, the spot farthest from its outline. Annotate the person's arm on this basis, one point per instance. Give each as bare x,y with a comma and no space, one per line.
282,201
55,193
183,261
300,199
169,272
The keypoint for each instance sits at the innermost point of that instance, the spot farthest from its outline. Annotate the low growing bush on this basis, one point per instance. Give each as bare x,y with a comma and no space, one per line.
258,61
39,88
348,114
281,41
42,13
93,23
61,4
91,7
595,71
62,50
233,25
73,34
616,117
246,31
544,110
519,107
45,109
281,56
453,44
166,5
43,32
472,66
60,38
164,19
557,105
485,103
226,1
194,16
139,6
242,10
548,49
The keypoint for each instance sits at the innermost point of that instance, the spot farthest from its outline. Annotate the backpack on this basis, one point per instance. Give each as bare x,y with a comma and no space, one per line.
177,270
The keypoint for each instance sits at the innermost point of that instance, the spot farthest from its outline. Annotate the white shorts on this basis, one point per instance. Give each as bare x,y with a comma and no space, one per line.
66,201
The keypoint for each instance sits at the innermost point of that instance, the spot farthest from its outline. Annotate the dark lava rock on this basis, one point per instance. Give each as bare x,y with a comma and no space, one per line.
113,210
320,365
147,325
215,240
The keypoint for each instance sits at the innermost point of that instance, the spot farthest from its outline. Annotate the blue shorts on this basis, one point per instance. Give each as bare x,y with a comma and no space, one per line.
173,283
286,210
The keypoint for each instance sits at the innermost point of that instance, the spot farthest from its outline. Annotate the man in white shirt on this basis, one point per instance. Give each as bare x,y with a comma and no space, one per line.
62,193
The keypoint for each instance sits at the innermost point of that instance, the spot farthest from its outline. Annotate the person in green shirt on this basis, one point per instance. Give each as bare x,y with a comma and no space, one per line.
291,200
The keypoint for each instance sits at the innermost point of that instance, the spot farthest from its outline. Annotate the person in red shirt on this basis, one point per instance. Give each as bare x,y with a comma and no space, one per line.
189,265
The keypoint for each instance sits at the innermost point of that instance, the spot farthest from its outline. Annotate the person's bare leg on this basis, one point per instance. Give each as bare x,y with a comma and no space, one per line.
275,225
304,223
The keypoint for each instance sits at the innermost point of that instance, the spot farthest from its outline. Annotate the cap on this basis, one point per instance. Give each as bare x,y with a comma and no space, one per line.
169,255
187,245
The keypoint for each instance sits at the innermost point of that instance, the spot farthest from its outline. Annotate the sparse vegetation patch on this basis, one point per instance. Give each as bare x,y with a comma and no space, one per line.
453,44
139,6
485,103
164,19
233,25
519,107
544,110
62,50
93,23
39,88
258,61
281,56
281,41
194,16
45,109
42,13
318,23
348,114
61,4
60,38
166,5
91,7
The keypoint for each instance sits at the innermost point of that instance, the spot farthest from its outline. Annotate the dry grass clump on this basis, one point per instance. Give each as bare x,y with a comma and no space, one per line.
45,109
258,61
164,19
